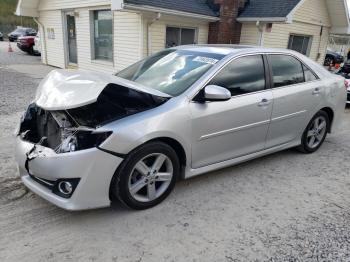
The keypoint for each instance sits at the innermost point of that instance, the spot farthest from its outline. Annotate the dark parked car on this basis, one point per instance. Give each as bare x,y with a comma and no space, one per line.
333,58
26,43
347,84
345,69
19,32
1,37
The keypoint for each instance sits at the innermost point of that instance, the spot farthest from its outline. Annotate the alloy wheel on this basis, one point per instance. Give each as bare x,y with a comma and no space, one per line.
316,132
150,177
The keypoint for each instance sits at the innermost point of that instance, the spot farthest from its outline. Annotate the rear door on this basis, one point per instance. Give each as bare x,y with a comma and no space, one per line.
229,129
296,91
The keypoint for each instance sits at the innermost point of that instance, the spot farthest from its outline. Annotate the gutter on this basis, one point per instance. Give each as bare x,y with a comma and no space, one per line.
262,19
169,12
42,38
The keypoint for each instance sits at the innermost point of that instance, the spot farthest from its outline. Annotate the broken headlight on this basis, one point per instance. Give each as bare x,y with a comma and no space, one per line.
80,140
58,130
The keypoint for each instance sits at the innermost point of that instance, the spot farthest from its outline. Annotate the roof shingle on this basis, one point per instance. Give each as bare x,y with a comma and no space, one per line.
268,8
190,6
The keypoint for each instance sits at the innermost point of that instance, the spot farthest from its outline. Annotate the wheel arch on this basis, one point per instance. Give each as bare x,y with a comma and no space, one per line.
329,111
177,146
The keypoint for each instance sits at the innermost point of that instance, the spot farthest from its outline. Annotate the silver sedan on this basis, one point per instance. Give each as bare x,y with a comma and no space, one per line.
90,139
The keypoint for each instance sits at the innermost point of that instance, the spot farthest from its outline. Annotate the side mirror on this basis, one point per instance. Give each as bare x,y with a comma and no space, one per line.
216,93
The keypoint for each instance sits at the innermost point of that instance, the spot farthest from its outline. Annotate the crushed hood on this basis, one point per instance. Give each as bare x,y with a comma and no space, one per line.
68,89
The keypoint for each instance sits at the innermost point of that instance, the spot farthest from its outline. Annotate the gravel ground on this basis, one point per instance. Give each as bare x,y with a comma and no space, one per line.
283,207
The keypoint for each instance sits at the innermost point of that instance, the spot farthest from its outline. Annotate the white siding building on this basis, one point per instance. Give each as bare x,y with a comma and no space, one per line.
304,27
108,35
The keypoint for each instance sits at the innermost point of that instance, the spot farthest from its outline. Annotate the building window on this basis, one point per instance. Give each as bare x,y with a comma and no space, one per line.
300,43
103,35
180,36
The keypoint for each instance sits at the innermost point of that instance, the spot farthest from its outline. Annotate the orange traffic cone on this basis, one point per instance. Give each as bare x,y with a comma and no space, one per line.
10,48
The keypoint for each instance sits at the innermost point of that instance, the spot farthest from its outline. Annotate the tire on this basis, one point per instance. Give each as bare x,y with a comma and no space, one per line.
320,135
328,61
127,177
31,51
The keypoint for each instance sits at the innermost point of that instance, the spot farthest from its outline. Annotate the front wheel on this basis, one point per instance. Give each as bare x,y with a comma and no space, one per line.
328,61
146,176
315,133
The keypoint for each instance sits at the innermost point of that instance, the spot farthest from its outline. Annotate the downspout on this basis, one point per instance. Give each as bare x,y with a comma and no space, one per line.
319,44
149,36
261,33
42,38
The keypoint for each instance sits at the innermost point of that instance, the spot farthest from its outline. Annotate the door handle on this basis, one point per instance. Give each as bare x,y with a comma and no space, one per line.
316,91
264,102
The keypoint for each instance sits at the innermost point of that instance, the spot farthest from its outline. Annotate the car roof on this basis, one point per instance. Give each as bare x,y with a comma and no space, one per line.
233,49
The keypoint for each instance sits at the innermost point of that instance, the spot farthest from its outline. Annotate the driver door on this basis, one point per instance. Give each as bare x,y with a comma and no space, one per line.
224,130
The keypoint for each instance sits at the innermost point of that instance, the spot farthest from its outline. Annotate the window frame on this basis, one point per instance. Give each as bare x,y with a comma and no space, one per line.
308,50
272,85
266,69
181,27
92,37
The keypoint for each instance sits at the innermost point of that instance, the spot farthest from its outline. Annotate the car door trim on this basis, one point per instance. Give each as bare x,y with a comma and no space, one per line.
288,116
232,130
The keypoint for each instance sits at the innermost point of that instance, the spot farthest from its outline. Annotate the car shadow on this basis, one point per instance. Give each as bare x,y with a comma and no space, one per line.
193,185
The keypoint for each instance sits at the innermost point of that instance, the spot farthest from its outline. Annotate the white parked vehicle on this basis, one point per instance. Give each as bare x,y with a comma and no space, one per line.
89,138
37,44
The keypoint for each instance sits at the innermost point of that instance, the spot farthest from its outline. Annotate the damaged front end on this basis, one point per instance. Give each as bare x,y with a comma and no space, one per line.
77,128
57,130
58,139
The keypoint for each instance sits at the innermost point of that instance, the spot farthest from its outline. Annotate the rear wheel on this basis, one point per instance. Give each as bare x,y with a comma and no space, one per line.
328,61
31,51
315,133
146,176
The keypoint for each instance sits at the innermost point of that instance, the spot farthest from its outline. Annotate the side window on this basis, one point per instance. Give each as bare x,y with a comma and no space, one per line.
309,75
242,75
286,70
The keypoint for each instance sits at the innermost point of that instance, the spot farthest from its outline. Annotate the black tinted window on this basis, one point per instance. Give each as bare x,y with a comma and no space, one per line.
309,75
243,75
286,70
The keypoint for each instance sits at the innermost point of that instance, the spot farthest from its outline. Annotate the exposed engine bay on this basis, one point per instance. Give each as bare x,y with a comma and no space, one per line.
76,129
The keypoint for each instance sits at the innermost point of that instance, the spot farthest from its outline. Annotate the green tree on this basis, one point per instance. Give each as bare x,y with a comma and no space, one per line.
9,21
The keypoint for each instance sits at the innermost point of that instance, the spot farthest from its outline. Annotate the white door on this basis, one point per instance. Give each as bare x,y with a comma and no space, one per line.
71,39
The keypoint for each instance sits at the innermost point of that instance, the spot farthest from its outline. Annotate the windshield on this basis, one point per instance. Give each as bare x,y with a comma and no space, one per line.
171,71
19,31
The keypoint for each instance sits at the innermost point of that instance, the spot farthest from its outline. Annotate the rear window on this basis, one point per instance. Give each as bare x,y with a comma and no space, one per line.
309,75
286,70
20,30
